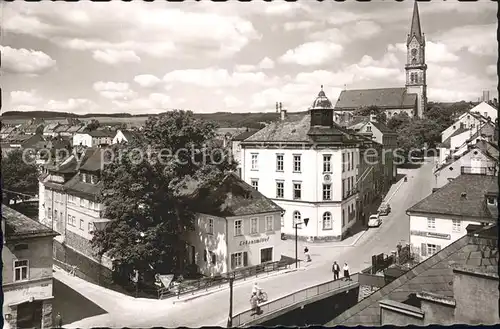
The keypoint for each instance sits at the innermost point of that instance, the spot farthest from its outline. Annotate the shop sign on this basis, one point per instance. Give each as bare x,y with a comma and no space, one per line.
432,235
255,241
23,292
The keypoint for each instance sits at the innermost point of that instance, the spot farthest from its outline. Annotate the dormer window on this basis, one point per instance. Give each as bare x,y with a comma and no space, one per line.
491,200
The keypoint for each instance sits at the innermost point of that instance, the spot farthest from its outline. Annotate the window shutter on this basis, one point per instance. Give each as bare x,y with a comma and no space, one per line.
423,249
205,255
245,259
232,262
438,247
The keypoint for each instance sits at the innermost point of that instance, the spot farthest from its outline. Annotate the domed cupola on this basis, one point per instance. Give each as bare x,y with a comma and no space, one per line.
321,102
321,111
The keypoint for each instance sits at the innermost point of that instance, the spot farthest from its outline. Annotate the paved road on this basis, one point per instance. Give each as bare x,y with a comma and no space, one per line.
212,310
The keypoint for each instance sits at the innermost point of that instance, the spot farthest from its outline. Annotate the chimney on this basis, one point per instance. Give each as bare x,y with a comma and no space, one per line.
373,118
486,95
277,108
283,114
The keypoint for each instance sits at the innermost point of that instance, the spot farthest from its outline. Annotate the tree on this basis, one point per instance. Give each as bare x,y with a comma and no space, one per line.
93,125
398,120
152,203
379,113
19,174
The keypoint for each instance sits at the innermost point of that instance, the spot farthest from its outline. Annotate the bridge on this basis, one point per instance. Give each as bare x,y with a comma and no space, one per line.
299,299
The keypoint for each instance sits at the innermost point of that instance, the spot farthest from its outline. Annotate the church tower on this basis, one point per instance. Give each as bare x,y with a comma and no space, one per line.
416,77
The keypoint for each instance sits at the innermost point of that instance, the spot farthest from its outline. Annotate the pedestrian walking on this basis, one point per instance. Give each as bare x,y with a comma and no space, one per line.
58,320
306,253
335,270
346,272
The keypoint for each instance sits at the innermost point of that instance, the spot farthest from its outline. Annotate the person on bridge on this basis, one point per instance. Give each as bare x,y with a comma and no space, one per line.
254,302
256,289
346,272
335,270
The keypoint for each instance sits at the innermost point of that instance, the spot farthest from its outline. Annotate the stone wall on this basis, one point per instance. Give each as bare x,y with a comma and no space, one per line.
47,314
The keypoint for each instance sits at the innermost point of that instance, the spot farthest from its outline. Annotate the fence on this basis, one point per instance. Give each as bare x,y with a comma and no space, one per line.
293,299
205,283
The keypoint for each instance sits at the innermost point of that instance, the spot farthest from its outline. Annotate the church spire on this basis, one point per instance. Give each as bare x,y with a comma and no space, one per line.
415,30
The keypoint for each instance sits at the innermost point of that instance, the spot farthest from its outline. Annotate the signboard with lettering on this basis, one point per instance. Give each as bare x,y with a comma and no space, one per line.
23,292
432,235
254,241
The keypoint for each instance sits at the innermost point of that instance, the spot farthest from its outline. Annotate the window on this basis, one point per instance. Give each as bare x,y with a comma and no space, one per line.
21,270
210,226
239,259
327,191
352,160
81,202
348,161
327,163
238,227
280,189
254,222
296,218
327,221
343,188
269,223
432,249
297,191
343,217
369,129
491,200
55,214
255,184
279,162
431,223
456,226
296,163
282,219
266,255
73,221
213,258
255,163
82,222
348,186
343,162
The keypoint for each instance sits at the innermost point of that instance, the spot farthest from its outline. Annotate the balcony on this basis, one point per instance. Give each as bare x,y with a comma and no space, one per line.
475,170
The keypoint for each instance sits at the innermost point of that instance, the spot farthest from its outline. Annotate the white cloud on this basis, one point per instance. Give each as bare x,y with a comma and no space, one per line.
312,53
114,90
78,105
300,25
435,52
155,102
232,102
216,77
266,63
155,30
476,39
491,69
114,57
348,33
147,80
285,8
25,61
22,97
245,68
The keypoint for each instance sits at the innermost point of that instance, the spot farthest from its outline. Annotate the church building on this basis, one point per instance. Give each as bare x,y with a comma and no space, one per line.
411,99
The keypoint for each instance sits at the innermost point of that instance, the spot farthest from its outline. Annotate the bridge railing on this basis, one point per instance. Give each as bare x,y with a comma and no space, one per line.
289,300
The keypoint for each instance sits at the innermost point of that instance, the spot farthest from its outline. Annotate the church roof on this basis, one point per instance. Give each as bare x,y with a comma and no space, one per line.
385,98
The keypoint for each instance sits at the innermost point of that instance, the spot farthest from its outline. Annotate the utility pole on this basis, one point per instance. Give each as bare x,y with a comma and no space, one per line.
296,225
230,317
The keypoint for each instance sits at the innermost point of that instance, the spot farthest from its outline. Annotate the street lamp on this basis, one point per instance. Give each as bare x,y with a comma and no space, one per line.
230,317
296,226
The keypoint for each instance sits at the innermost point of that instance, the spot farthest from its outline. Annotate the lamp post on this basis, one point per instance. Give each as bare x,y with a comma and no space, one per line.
230,317
296,226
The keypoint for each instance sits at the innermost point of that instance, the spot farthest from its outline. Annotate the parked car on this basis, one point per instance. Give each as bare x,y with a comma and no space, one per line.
374,220
384,209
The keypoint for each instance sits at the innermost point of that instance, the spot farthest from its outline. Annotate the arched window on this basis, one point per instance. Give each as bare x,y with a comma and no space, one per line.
327,221
296,218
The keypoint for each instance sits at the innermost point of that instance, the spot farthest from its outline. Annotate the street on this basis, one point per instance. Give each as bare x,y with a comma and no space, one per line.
212,310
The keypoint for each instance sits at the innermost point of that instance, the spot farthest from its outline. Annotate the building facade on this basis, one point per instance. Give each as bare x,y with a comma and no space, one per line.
27,271
442,217
245,233
310,168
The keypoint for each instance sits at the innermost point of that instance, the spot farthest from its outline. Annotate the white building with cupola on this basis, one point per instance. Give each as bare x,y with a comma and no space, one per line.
312,168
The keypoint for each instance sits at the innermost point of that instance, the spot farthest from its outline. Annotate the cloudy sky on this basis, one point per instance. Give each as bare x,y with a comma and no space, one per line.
237,57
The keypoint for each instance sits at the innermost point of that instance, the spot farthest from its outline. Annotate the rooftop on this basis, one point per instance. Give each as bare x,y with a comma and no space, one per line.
477,250
19,226
385,98
233,197
245,135
448,200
